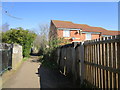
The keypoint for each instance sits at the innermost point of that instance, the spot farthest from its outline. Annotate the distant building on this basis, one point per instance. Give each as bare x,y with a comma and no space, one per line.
5,27
77,32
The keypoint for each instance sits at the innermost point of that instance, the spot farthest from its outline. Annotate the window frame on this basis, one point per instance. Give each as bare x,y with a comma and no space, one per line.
66,31
88,36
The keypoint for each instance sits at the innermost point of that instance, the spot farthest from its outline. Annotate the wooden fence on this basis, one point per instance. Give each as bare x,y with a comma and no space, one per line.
96,62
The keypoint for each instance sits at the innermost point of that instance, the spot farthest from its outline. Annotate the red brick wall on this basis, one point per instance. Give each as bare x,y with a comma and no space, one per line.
73,33
95,36
79,37
53,31
60,33
83,37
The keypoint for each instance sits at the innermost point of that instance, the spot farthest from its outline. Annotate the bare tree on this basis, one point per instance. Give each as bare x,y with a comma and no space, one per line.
44,30
42,38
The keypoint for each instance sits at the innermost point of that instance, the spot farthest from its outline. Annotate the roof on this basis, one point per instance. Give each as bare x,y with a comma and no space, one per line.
84,27
64,24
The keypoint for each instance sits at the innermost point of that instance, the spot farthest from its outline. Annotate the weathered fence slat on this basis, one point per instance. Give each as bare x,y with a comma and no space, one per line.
118,62
99,62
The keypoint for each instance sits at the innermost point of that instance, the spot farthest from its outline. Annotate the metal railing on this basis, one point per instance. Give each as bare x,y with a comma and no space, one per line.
5,59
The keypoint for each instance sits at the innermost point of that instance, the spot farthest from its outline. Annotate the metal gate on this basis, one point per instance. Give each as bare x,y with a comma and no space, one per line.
5,59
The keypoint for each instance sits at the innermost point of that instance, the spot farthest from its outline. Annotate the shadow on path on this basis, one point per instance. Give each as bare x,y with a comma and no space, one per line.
53,79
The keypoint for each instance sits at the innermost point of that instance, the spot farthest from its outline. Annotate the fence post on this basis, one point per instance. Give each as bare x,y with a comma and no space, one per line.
118,59
58,55
0,69
0,61
16,56
73,63
82,62
65,61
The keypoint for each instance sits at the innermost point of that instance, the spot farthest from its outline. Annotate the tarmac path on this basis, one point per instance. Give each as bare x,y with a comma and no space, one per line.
26,76
32,74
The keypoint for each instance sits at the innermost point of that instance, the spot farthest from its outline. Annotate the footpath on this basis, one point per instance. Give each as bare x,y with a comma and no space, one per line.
32,74
26,76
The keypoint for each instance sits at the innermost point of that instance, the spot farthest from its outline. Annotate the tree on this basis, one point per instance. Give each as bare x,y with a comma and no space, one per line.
20,36
42,38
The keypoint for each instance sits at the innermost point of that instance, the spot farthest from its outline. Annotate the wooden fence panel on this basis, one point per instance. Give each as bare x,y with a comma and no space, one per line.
99,61
69,61
118,61
62,60
77,65
103,72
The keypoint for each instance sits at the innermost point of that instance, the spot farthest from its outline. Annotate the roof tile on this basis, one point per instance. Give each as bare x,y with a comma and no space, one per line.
84,27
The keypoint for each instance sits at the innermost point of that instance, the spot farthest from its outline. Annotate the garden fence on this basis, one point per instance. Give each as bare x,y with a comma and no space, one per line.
95,62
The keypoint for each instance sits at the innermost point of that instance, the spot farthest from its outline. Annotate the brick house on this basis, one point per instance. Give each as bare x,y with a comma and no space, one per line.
77,32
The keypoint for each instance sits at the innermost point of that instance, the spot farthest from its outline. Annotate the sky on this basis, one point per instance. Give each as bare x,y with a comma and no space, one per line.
60,0
33,14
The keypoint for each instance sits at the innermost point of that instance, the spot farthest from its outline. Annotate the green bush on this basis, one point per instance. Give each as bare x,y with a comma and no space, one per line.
49,54
21,37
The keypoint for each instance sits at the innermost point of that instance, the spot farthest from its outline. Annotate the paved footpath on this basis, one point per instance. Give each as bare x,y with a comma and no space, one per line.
26,76
33,75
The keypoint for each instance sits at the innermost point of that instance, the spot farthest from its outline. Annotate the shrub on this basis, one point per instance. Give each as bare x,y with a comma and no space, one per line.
21,37
49,54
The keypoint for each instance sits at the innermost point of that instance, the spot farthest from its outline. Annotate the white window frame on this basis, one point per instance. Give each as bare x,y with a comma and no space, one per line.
66,33
88,36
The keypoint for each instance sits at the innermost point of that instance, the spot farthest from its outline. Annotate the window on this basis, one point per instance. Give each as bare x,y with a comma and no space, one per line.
88,36
66,33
